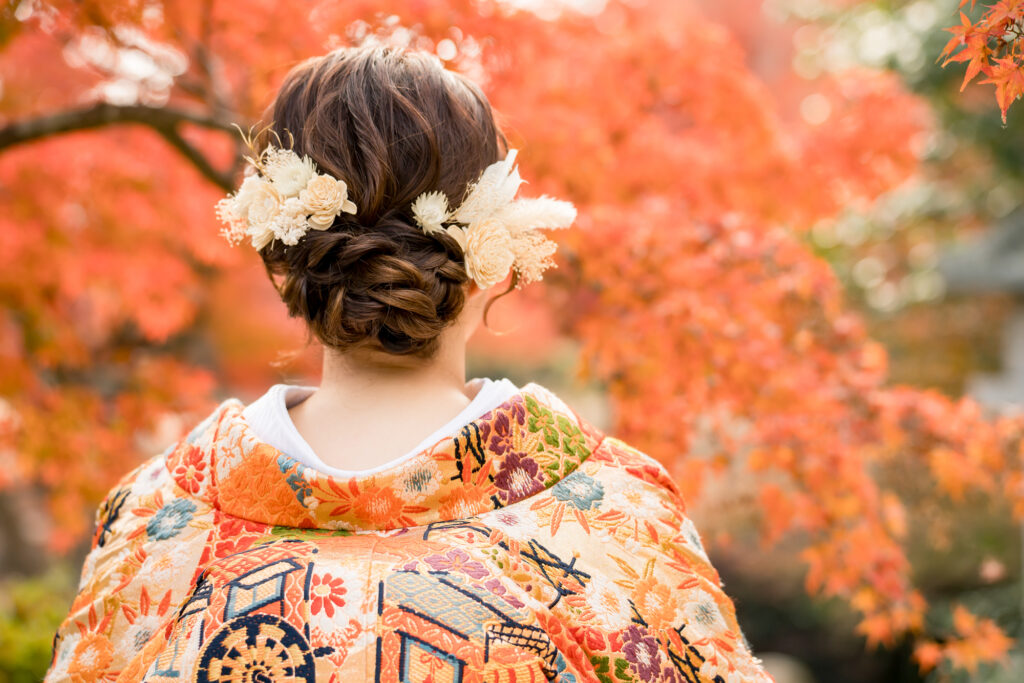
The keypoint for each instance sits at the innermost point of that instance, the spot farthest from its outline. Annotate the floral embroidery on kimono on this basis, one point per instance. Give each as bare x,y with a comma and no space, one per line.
527,547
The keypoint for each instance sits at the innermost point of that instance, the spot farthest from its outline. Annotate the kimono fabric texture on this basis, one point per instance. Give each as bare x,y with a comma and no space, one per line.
529,546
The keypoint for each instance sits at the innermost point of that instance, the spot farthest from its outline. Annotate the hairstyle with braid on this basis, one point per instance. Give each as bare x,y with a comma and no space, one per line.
393,123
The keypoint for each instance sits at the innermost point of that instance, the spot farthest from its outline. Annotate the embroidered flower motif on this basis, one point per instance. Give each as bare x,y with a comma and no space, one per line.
235,535
579,490
517,478
378,506
573,441
458,561
91,658
639,502
701,616
511,523
655,602
497,433
145,618
642,653
542,420
190,471
692,537
326,592
164,567
498,588
420,480
463,502
605,603
170,519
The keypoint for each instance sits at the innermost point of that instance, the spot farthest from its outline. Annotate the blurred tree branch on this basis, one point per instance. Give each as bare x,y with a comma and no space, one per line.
164,120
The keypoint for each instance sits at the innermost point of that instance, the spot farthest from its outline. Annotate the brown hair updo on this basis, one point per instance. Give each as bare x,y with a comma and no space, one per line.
392,123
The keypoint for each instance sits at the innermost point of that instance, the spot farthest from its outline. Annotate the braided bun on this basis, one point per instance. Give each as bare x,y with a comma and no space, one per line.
389,287
393,124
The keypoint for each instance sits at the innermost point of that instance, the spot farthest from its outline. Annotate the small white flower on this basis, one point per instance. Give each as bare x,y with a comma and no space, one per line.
248,192
234,226
692,536
608,603
701,616
290,224
264,205
287,171
430,211
511,523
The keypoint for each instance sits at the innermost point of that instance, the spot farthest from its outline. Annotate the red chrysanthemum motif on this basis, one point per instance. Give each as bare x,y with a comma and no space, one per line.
326,593
190,471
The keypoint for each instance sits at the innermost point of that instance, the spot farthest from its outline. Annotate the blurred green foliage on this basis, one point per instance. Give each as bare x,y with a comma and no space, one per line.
30,611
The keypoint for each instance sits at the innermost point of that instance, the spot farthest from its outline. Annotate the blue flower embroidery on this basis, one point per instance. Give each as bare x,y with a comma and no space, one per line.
296,480
579,490
563,676
418,480
170,519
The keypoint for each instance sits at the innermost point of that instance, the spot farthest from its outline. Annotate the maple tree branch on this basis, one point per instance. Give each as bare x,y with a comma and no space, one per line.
164,120
173,137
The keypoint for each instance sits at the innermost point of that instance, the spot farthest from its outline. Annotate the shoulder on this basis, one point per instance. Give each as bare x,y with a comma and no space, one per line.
145,552
615,453
155,482
141,517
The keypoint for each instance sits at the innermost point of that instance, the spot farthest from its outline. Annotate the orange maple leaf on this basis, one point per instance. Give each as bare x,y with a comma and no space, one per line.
1008,77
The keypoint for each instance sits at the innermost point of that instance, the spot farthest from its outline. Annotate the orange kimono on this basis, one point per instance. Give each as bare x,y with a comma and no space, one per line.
527,547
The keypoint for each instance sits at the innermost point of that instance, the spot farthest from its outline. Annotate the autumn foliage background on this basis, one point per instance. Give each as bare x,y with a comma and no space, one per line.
750,294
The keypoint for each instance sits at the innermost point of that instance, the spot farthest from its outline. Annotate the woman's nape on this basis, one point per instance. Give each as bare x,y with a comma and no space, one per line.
371,408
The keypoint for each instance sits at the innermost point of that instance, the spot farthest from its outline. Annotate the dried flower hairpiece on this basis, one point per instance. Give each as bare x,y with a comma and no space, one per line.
282,197
498,233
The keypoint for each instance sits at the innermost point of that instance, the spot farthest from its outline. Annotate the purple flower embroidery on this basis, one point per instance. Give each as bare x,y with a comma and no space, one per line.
642,653
497,588
500,440
517,410
457,560
517,478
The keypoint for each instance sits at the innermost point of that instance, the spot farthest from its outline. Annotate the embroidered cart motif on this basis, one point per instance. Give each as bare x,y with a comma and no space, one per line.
527,547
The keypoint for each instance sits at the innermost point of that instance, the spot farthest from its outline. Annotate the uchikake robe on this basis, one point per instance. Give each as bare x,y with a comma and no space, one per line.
527,547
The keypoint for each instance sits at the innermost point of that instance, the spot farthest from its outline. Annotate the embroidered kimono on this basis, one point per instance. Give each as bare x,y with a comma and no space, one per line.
528,547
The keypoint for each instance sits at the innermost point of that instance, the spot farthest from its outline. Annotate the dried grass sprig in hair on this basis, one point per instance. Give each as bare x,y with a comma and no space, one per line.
497,232
282,197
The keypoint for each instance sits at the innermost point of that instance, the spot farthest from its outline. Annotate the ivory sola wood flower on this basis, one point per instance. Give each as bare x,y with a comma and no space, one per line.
282,197
497,232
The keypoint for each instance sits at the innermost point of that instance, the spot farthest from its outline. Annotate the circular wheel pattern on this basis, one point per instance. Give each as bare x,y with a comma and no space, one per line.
256,648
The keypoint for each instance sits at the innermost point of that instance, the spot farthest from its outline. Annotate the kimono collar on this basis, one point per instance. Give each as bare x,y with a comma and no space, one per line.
524,446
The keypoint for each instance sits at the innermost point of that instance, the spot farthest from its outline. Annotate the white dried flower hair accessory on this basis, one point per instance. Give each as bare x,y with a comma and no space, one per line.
282,197
497,233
